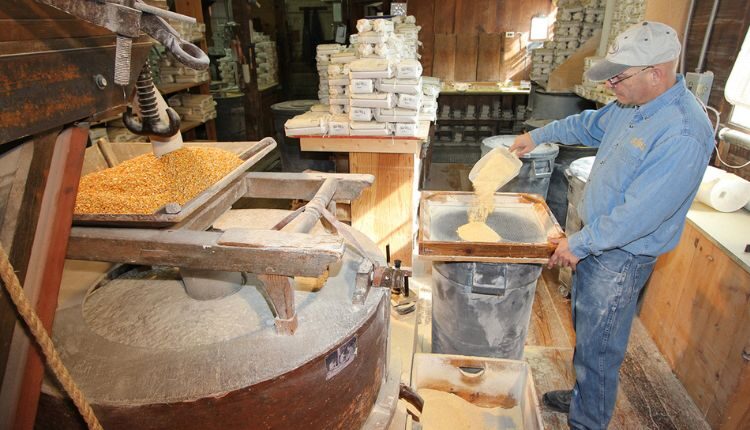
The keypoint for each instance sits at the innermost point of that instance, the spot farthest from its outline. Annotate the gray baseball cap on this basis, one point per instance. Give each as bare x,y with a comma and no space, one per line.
644,44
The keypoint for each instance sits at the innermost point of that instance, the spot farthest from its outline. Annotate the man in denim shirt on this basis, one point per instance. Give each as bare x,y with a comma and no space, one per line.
654,145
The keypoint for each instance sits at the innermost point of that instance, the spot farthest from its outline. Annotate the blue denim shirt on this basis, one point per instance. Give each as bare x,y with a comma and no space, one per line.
650,162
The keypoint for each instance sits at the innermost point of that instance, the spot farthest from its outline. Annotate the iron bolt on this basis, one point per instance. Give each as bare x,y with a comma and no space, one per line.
100,81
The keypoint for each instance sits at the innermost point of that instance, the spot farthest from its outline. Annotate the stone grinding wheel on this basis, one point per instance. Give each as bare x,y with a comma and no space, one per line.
149,357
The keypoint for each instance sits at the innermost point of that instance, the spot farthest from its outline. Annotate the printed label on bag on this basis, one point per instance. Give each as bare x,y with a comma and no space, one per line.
360,114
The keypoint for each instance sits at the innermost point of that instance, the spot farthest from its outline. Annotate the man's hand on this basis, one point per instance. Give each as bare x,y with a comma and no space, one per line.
522,145
562,256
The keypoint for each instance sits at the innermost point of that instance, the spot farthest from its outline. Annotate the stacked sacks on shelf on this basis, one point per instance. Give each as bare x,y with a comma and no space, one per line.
575,23
338,81
266,60
323,54
626,13
193,107
172,71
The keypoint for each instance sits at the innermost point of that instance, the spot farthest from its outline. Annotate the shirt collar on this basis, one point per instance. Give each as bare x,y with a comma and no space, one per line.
664,99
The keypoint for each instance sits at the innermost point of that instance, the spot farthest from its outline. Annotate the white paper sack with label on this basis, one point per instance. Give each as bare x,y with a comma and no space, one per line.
370,68
408,69
402,86
397,115
373,100
357,128
409,101
360,114
309,123
361,86
407,130
338,125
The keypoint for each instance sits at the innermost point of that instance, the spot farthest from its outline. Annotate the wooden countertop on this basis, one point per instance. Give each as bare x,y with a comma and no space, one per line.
730,231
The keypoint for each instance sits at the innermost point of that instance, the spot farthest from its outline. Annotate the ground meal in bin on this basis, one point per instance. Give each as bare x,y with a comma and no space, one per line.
144,184
447,411
495,173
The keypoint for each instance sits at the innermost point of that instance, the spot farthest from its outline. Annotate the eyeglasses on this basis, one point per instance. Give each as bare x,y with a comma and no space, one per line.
614,80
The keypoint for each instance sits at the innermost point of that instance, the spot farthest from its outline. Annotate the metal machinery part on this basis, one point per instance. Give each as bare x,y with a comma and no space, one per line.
148,353
127,18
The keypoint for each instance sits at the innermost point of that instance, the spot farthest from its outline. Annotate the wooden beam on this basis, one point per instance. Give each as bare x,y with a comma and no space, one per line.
235,250
25,369
303,186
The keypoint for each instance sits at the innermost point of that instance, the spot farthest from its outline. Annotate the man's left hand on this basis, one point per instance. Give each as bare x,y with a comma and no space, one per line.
562,256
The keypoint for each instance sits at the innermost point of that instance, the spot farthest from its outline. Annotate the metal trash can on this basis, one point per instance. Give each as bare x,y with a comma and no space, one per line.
573,222
482,309
537,168
555,105
230,118
293,159
557,197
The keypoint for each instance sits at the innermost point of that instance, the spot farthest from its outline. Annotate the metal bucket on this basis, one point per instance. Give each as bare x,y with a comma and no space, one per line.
482,309
537,168
292,157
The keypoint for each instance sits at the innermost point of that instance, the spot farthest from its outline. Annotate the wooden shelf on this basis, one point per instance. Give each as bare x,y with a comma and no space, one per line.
186,126
173,88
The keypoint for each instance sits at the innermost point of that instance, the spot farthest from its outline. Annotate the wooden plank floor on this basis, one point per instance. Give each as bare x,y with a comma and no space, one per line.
649,397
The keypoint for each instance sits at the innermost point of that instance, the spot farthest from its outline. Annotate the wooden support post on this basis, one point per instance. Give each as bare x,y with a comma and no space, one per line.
279,291
41,281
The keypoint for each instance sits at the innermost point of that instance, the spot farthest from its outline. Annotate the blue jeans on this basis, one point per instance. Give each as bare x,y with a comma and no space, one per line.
604,295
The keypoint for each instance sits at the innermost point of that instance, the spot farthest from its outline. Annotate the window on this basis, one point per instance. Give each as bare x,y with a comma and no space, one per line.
539,29
737,91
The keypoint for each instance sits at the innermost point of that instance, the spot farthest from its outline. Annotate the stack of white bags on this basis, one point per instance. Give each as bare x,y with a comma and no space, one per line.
374,87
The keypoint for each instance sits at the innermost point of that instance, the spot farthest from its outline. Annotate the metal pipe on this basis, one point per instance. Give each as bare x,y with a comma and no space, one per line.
735,137
683,54
707,36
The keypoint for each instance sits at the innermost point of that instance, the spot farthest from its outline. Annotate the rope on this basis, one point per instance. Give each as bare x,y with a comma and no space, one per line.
10,280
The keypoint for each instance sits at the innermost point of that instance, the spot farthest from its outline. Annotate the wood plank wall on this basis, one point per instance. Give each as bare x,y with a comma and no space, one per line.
464,40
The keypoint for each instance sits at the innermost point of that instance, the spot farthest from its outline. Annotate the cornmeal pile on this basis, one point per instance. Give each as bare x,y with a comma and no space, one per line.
144,184
447,411
496,172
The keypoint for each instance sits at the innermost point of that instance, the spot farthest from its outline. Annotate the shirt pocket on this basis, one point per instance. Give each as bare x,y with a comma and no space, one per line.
628,157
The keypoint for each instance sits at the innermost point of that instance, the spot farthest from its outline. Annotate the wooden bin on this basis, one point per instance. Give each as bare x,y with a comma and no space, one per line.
485,382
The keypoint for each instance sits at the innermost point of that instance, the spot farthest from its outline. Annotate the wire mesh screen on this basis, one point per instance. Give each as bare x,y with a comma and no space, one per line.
514,223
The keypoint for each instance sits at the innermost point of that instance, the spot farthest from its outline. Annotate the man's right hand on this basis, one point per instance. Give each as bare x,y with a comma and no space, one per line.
522,145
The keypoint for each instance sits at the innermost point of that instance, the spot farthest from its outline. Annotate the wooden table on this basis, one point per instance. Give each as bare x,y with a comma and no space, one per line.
386,212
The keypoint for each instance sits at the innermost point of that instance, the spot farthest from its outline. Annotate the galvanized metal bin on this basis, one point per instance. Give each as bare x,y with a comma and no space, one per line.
483,292
501,389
